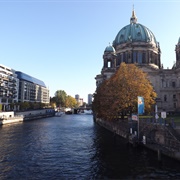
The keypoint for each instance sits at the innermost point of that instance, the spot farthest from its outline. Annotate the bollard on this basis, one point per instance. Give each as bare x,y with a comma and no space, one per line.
159,155
144,139
130,130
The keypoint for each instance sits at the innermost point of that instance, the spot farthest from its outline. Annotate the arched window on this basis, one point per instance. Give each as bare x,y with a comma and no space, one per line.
109,64
140,57
174,96
134,57
118,62
173,84
144,57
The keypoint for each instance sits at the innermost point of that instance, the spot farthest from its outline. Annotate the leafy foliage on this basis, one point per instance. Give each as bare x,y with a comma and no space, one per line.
61,99
118,95
71,102
23,106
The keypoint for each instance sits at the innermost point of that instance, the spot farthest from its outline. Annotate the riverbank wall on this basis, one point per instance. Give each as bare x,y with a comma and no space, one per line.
15,117
11,120
160,138
36,114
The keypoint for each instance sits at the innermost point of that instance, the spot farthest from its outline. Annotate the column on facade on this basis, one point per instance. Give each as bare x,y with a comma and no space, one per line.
105,63
114,62
156,59
132,52
136,56
178,54
127,57
150,57
147,57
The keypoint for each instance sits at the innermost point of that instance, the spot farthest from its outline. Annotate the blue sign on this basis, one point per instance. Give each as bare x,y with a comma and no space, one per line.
140,105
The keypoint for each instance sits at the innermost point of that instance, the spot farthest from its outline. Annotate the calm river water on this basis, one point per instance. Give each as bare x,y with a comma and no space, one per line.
74,147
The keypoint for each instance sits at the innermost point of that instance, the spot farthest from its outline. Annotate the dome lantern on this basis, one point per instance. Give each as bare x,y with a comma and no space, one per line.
133,19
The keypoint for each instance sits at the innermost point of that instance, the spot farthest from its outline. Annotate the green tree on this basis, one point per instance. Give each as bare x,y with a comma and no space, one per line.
53,102
60,98
118,95
71,102
24,105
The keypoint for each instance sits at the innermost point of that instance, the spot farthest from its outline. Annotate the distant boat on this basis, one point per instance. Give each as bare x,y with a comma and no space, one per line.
59,113
68,112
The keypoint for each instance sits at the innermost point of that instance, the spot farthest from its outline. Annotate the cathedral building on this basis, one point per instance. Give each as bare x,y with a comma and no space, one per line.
135,43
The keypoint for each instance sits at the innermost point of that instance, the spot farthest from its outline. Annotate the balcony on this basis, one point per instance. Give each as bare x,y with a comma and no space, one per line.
14,92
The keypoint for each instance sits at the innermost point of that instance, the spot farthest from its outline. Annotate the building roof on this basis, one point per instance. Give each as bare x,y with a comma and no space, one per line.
23,76
109,49
135,32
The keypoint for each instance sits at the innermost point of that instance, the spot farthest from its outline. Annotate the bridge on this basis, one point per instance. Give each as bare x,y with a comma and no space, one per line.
81,109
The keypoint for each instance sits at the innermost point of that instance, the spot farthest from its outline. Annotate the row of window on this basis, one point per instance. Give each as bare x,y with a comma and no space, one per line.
137,57
165,97
168,83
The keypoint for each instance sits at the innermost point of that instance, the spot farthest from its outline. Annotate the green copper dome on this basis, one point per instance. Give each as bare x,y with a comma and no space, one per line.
109,49
134,32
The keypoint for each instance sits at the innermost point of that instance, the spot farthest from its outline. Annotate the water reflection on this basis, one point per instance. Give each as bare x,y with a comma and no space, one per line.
73,147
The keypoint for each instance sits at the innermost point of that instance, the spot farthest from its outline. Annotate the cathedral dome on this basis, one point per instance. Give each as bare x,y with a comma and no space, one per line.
110,49
135,32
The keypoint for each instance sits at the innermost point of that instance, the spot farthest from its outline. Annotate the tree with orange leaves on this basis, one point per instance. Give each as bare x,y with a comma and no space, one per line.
118,95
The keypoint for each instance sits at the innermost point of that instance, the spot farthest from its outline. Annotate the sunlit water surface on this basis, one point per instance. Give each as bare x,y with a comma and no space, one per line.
74,147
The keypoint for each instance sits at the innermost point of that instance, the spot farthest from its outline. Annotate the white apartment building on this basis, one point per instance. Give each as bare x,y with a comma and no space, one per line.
9,86
31,89
16,86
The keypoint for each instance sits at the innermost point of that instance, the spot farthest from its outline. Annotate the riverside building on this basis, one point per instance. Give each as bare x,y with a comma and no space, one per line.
135,43
79,100
31,89
9,86
90,97
16,86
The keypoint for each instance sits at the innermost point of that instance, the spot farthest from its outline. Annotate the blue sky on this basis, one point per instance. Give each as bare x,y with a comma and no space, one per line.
62,42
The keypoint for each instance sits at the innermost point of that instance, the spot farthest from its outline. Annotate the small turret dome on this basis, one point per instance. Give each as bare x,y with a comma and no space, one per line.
110,49
179,41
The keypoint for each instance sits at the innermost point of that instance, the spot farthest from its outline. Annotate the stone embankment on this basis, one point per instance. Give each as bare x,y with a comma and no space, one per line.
36,114
160,137
11,120
15,117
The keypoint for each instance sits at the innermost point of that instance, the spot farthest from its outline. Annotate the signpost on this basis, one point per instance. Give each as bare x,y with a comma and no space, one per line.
140,110
134,117
163,115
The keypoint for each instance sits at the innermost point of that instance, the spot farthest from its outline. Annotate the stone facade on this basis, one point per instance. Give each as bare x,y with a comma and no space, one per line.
135,43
